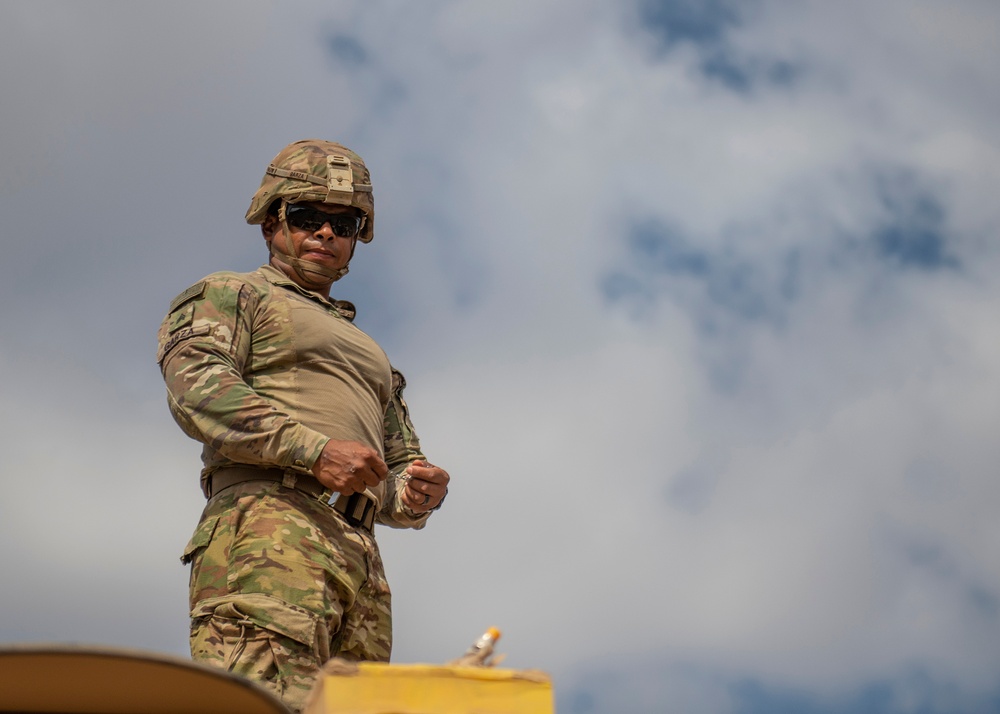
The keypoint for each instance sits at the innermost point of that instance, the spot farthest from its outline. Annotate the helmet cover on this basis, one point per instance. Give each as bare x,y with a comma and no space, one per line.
316,170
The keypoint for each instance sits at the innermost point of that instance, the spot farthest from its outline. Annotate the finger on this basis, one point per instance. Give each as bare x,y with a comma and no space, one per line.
428,495
414,491
418,479
433,474
369,478
378,467
415,494
411,498
418,502
423,497
340,485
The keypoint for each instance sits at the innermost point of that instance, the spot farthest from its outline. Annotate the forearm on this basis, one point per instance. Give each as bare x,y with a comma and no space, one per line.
213,404
402,448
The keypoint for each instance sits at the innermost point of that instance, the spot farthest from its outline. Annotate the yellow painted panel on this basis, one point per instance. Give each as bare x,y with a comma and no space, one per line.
428,689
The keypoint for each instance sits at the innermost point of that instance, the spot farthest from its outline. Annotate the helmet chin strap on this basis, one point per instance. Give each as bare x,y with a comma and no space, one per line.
306,270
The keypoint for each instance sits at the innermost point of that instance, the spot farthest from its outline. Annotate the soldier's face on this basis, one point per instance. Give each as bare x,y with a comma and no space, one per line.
321,246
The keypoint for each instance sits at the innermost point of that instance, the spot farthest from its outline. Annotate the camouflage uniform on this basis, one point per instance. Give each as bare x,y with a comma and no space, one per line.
264,373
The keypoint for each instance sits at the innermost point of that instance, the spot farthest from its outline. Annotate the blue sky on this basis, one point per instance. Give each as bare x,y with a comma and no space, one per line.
695,300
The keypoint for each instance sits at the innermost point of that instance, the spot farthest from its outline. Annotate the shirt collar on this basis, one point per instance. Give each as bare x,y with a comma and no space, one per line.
276,277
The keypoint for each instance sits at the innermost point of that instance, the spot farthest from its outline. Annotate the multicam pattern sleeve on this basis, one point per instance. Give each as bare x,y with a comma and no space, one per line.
204,346
401,448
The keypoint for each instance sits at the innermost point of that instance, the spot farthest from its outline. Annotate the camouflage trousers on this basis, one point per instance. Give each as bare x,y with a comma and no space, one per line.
280,583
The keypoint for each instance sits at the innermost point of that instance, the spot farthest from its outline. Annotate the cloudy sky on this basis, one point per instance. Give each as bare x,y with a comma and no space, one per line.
696,301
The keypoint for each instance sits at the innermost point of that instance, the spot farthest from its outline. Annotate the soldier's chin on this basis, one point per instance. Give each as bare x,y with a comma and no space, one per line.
319,273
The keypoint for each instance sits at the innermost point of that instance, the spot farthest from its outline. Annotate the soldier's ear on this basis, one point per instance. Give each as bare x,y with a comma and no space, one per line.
269,227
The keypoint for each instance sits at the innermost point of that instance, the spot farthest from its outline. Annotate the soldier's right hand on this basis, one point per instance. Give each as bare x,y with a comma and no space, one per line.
349,466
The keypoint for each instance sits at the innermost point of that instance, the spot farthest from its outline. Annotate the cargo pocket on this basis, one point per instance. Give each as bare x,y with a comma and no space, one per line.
262,638
200,540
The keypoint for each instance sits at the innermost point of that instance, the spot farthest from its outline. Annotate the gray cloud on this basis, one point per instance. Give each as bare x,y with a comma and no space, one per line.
697,22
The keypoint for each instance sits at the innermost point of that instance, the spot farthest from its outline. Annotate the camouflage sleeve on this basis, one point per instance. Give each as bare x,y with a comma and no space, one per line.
401,448
204,346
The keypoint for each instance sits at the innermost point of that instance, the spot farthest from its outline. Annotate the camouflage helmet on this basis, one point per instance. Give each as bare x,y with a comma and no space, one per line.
316,170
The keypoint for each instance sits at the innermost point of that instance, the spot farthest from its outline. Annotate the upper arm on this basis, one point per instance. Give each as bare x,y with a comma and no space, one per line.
215,315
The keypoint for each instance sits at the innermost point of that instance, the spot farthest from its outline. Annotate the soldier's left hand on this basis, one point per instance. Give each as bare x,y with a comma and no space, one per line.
426,487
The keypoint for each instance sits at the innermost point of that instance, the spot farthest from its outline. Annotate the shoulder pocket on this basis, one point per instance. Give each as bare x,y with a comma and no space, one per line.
180,317
181,312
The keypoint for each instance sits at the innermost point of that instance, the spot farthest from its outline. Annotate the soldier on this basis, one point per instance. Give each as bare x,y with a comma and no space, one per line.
307,439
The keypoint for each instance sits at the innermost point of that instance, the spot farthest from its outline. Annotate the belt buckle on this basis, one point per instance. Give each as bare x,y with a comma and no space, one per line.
355,502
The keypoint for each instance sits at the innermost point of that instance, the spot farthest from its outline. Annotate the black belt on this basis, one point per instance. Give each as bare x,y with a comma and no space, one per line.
357,509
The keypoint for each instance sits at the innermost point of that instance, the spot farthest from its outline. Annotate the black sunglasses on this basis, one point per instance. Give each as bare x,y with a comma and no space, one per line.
343,225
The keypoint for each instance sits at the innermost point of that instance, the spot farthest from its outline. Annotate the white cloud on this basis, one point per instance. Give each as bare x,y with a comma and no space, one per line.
801,498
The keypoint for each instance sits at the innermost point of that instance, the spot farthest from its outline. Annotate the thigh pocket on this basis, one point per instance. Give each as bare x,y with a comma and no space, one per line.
259,637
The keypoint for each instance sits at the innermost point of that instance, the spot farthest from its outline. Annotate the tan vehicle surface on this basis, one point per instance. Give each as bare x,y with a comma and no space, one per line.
86,680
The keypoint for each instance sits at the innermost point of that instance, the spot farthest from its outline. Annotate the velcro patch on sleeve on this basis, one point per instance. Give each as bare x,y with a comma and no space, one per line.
196,290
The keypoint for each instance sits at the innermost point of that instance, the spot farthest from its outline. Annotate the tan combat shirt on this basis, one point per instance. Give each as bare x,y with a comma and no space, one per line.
264,373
